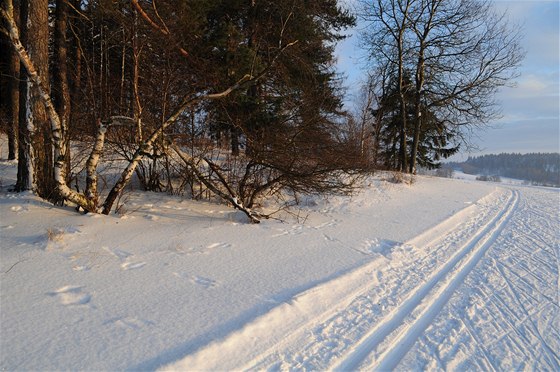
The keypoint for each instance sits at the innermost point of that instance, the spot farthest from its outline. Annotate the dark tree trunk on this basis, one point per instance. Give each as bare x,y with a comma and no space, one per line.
41,136
25,155
9,87
61,91
234,141
13,102
403,164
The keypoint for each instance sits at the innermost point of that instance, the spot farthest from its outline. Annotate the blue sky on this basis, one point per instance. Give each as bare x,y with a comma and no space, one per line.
531,111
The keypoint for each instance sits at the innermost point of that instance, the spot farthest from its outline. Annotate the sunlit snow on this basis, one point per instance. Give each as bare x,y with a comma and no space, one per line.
441,274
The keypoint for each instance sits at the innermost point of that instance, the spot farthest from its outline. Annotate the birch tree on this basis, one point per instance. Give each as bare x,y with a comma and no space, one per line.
9,93
116,95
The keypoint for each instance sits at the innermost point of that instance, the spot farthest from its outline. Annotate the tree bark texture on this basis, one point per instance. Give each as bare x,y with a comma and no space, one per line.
10,93
61,90
13,111
41,137
25,156
34,78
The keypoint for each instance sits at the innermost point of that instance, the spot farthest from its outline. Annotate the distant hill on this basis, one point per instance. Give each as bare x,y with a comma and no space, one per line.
535,168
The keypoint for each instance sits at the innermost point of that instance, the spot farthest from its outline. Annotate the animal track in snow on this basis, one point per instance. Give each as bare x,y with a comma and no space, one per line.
180,250
86,260
218,245
301,228
125,258
120,254
206,283
19,208
71,295
129,322
294,230
381,246
132,265
330,223
80,268
330,238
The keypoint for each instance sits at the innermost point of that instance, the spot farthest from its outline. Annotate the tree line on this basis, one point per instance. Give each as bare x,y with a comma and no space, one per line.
537,168
238,99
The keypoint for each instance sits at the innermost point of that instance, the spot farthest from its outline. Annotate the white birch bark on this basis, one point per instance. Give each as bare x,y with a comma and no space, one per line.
56,128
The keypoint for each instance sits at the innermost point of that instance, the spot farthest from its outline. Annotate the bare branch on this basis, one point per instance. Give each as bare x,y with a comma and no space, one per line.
164,30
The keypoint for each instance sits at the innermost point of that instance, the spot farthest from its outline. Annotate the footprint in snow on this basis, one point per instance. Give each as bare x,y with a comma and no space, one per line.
81,268
72,230
218,245
330,238
172,207
71,295
381,246
125,258
330,223
120,254
206,283
129,322
294,230
132,265
19,208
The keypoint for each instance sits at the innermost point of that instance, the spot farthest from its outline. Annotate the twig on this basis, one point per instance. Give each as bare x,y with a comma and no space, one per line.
15,265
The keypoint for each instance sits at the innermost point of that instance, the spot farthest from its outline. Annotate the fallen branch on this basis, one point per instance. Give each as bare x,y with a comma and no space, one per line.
228,195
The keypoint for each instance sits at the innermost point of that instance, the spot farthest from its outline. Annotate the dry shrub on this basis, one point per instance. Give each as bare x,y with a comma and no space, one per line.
55,234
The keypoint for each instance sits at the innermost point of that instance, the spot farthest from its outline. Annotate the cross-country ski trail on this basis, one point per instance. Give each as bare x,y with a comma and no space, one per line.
382,316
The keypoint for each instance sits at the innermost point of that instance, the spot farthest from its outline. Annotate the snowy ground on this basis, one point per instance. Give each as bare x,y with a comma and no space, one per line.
450,274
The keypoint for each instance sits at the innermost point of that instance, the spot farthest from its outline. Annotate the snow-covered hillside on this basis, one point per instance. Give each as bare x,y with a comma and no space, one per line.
450,274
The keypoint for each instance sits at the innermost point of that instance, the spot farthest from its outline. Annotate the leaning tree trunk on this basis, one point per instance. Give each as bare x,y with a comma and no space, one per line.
59,171
13,100
13,112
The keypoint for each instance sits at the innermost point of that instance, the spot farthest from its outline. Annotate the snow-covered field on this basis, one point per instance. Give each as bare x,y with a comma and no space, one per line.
443,274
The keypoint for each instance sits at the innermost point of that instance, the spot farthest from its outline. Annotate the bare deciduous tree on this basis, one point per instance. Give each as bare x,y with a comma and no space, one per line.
456,55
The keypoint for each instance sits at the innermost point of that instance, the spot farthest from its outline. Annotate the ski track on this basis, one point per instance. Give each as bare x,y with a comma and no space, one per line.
405,306
472,252
510,301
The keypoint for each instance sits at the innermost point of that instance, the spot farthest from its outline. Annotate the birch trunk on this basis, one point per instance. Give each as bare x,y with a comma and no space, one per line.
13,102
55,127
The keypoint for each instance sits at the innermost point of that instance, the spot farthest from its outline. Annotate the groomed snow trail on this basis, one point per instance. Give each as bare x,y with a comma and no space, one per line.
428,300
506,316
374,317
